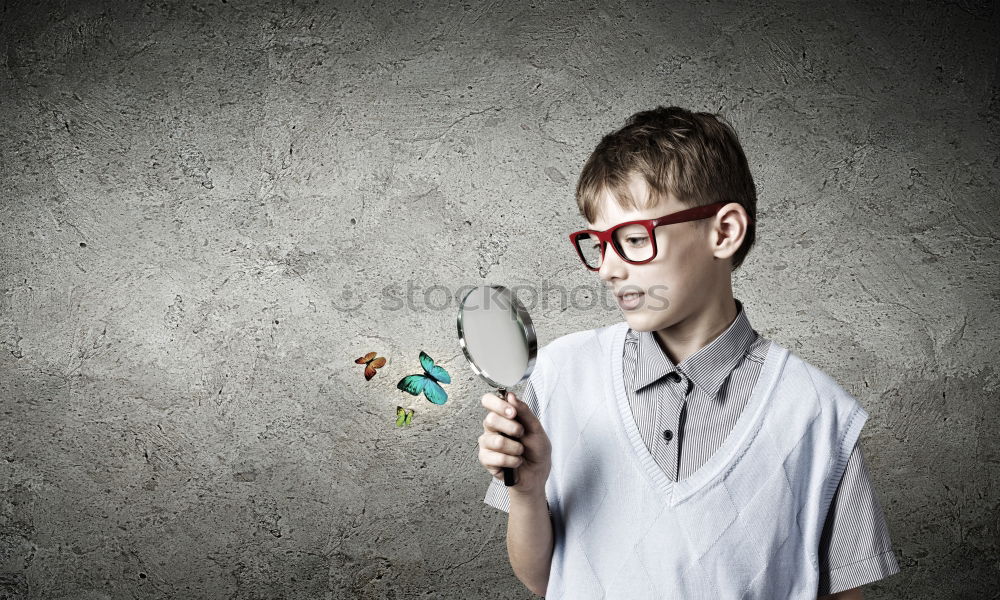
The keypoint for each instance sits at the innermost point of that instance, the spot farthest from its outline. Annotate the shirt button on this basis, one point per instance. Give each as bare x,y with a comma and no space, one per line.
674,377
668,435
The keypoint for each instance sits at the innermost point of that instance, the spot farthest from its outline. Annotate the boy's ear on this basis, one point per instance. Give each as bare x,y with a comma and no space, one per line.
728,228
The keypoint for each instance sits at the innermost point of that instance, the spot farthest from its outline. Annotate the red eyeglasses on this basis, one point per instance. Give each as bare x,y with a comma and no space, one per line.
633,241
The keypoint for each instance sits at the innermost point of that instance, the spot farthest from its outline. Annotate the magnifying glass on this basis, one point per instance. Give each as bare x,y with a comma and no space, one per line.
499,342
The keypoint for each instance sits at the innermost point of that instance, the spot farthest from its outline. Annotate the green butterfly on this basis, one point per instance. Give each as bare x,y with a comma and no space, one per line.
404,416
427,382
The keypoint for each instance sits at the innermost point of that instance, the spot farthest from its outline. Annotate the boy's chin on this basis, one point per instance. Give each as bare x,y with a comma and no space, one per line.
645,320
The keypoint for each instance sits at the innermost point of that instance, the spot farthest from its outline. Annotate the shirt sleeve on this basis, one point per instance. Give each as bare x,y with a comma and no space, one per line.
496,494
855,548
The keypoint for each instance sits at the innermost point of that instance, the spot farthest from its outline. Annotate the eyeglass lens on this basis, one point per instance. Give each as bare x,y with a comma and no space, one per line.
631,242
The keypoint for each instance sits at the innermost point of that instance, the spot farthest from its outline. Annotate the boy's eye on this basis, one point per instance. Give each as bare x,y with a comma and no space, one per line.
636,240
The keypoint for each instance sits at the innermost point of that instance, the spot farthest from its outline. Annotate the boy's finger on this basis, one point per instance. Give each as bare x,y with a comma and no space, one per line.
492,458
521,412
494,403
505,444
501,424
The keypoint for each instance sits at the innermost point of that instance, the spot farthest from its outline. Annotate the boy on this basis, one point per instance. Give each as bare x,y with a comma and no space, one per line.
680,454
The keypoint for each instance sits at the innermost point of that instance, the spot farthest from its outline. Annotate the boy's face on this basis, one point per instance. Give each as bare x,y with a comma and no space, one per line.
683,278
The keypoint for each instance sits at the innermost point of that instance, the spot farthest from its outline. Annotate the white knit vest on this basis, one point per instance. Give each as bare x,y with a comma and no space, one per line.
746,525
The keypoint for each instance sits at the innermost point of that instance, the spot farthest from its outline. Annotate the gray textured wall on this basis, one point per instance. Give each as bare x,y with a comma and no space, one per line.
203,205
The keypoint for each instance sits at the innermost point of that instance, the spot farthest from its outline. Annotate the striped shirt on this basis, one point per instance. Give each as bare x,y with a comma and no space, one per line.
685,411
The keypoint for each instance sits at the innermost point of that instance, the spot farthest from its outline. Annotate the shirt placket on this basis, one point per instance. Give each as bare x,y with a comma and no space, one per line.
670,414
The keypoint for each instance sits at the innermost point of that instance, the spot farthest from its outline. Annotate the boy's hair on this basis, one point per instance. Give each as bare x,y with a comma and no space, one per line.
696,157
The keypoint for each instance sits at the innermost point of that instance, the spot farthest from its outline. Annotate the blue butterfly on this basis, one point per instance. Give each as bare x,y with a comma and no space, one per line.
427,382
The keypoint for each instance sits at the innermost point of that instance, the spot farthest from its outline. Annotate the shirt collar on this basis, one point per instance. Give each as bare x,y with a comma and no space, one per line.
707,368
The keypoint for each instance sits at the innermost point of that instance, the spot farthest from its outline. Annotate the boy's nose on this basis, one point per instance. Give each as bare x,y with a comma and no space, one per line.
612,266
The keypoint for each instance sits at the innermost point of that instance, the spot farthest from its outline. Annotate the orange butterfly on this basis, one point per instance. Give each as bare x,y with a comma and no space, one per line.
371,363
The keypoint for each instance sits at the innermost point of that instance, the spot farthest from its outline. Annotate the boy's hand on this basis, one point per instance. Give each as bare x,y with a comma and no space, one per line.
530,453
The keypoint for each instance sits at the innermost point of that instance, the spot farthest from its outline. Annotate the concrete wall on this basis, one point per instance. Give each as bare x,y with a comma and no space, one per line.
210,209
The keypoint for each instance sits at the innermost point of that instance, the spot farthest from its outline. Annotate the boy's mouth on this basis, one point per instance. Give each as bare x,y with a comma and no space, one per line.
629,300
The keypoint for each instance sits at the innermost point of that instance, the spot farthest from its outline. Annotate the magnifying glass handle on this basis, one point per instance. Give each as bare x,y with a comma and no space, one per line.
509,473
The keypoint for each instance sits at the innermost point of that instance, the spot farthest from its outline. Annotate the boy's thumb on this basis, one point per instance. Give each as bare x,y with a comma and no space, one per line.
524,414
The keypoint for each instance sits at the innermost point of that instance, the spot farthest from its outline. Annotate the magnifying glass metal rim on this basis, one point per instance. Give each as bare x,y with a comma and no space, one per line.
522,319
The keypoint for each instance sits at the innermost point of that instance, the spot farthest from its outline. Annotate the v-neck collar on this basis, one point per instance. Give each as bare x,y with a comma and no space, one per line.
747,423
